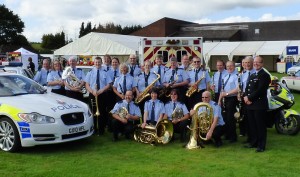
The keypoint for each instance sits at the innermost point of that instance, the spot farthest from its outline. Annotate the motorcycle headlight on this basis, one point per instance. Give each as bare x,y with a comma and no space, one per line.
36,118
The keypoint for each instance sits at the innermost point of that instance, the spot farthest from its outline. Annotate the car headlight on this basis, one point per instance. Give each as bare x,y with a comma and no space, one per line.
36,118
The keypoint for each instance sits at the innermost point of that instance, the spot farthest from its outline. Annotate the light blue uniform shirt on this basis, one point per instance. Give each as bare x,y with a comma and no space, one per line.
141,80
130,83
162,73
79,74
41,76
133,108
158,110
215,79
170,105
180,73
244,78
216,112
136,70
53,76
112,72
203,84
106,67
104,78
230,82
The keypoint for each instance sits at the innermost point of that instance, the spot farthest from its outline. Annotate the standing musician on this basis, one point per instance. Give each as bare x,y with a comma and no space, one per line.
176,78
217,128
145,79
229,104
159,68
123,83
41,76
106,62
154,109
195,75
125,123
54,79
97,82
179,123
75,92
134,69
216,84
248,70
257,105
185,63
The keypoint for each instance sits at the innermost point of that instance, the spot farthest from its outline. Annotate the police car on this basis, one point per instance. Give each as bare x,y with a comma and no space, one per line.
30,116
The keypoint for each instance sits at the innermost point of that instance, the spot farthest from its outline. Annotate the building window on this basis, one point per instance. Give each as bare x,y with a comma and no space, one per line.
256,31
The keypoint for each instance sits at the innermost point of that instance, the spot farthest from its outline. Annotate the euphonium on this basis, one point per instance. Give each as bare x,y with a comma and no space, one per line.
70,77
237,115
161,133
145,93
193,88
200,125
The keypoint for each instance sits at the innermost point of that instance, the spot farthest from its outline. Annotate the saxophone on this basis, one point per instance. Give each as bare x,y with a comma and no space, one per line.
237,115
193,88
145,93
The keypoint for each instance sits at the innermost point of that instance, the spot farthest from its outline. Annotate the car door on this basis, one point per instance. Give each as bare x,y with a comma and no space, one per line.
296,81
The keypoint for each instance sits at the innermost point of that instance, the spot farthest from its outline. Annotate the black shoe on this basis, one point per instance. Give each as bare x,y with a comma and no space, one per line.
260,150
218,144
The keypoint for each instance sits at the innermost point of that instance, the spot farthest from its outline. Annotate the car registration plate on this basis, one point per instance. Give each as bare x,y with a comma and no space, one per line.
76,129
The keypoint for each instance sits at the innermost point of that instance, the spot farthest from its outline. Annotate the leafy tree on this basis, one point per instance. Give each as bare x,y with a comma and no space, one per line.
11,28
50,41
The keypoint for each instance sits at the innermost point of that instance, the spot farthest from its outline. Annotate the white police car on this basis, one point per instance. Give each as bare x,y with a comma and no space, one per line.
29,116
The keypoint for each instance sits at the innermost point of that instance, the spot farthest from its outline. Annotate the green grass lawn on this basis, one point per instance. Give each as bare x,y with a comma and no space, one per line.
99,156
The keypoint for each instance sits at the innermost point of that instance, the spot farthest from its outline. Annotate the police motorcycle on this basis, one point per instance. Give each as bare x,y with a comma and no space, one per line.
286,120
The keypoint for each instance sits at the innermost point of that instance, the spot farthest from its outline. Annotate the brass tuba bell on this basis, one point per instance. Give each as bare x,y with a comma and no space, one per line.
201,123
161,133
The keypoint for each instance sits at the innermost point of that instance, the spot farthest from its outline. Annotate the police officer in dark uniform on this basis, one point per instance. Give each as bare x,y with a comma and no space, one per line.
257,105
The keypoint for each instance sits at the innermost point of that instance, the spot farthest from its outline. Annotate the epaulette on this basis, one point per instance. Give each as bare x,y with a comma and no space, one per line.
79,69
181,102
168,102
179,68
120,102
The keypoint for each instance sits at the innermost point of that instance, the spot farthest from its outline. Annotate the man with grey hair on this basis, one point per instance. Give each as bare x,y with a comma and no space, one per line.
134,69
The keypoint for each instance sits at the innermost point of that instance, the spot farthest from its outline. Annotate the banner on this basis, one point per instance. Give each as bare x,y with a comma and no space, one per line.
292,50
14,56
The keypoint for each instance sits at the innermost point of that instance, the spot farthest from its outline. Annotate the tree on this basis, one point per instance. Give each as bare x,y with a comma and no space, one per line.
50,41
11,27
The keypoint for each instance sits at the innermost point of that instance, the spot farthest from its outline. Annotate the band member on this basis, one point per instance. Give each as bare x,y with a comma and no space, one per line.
217,77
75,92
154,109
123,83
176,78
196,74
247,63
106,62
229,104
97,82
180,123
54,79
159,68
257,105
145,79
217,128
125,124
41,75
134,69
185,63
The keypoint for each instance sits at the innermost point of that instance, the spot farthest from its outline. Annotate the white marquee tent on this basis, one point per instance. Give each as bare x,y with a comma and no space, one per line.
25,54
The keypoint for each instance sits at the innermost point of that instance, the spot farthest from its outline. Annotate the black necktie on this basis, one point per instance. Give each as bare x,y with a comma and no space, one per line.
172,77
115,74
248,77
220,83
73,70
132,70
128,109
98,80
124,85
48,72
59,74
146,79
159,72
152,113
107,68
174,106
196,74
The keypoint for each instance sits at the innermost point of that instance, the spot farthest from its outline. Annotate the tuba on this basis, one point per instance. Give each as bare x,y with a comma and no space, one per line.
70,77
161,133
145,93
194,88
200,125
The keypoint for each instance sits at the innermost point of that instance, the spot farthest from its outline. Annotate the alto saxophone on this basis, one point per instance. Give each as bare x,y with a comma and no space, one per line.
145,93
193,88
237,115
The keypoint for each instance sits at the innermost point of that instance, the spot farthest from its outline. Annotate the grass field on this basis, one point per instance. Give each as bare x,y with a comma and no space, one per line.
99,156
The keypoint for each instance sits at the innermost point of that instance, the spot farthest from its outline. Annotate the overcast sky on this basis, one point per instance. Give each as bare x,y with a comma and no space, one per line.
52,16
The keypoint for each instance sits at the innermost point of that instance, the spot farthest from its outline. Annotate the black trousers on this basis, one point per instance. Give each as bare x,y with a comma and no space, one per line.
60,91
244,125
119,127
216,99
181,128
99,121
258,128
228,116
194,99
217,133
75,95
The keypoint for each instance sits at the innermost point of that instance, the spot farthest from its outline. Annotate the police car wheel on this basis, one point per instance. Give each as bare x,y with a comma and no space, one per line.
9,135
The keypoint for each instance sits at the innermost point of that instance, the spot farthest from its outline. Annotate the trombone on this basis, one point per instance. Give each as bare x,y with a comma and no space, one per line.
95,104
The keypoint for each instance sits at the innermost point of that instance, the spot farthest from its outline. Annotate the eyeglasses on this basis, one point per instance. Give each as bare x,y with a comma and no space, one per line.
196,61
174,94
204,97
131,58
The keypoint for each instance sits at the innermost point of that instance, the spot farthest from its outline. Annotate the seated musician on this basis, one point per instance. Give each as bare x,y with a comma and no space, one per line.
125,124
216,130
154,109
178,113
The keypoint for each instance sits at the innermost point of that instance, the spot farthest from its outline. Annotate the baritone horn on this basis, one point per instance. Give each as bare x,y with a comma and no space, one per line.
200,125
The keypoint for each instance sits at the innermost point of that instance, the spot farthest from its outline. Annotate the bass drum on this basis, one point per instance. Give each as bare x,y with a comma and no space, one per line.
289,125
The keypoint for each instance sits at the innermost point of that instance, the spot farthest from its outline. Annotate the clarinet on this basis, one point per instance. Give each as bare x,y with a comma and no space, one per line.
237,114
213,90
223,99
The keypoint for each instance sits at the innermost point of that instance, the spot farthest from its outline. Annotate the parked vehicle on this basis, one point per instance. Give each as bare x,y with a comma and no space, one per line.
292,82
295,68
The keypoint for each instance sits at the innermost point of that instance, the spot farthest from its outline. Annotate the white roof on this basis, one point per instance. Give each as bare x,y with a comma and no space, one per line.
101,44
246,48
24,51
223,48
272,48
